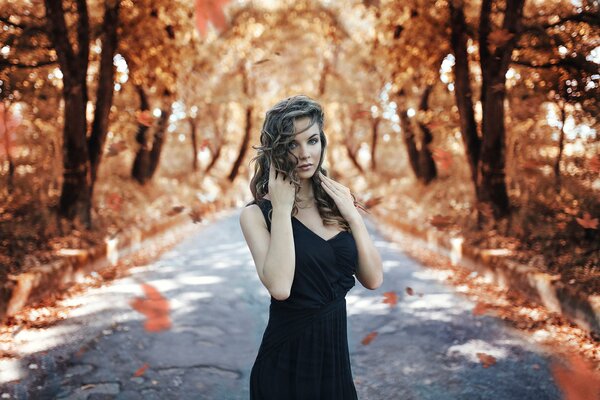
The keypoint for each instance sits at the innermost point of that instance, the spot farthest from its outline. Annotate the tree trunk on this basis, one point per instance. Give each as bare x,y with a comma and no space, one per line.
408,135
427,169
141,163
75,200
494,65
105,91
374,139
462,88
193,132
561,144
244,147
158,141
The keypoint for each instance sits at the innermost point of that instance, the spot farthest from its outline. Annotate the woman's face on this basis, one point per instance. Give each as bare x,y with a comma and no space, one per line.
306,146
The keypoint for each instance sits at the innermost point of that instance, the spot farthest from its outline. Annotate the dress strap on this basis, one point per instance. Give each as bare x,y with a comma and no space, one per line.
266,207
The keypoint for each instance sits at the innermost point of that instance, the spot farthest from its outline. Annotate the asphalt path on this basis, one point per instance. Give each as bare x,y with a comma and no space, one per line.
189,324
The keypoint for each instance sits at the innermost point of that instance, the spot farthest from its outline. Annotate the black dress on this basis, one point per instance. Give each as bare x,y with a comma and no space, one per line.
304,350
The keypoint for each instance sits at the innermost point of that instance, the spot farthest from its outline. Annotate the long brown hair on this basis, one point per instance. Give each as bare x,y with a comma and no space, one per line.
277,134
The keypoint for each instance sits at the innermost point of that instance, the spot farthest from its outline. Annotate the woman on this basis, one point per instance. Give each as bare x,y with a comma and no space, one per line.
307,240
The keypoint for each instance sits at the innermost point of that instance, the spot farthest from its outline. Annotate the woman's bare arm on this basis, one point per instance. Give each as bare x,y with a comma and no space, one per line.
274,253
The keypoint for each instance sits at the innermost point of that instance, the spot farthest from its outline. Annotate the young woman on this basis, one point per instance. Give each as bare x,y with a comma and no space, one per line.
308,241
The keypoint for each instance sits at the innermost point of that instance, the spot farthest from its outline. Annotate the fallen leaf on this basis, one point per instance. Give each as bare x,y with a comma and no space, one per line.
486,359
141,370
391,298
369,338
409,291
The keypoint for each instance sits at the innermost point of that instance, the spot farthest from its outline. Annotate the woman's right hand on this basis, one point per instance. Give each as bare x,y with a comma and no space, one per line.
281,190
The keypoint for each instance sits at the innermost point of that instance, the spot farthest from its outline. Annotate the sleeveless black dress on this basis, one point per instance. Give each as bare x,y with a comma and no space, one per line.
304,350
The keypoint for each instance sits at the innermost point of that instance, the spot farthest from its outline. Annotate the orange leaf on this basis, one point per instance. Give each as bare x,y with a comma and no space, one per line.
369,338
391,298
486,359
175,210
145,118
155,307
141,370
443,158
579,382
594,164
440,221
480,308
210,11
587,221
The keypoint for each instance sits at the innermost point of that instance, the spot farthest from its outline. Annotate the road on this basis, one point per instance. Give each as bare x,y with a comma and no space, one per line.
188,326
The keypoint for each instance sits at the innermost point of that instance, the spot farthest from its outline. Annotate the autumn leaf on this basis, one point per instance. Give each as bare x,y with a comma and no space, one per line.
141,370
264,60
498,38
579,381
369,338
480,309
587,221
372,202
145,118
409,291
196,216
440,221
390,298
594,164
114,201
486,359
175,210
116,148
155,307
443,158
210,11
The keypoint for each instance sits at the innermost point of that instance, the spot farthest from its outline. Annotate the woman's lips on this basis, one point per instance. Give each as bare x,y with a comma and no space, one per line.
305,168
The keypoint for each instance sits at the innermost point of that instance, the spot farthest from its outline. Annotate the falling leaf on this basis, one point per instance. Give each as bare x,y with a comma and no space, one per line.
145,118
571,211
210,11
486,359
373,201
579,381
369,338
114,201
196,216
587,221
409,291
390,298
440,221
594,164
264,60
116,148
498,38
155,307
175,210
141,370
443,158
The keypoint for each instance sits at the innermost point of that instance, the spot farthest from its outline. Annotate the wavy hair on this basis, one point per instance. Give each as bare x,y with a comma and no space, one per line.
276,135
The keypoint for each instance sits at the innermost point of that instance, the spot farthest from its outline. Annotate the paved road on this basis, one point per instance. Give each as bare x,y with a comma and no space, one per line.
426,346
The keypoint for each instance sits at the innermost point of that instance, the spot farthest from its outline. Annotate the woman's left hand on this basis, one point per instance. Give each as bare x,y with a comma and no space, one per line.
341,196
